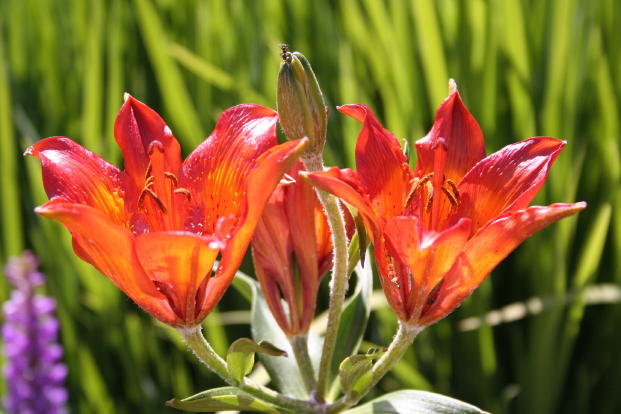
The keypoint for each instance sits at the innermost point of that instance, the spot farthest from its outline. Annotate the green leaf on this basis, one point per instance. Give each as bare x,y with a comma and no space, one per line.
355,317
411,401
222,399
240,358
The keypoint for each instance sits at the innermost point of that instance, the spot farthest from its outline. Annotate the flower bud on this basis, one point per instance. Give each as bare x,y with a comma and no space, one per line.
301,107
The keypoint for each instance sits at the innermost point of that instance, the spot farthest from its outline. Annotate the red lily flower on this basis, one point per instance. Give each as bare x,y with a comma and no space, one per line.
292,251
441,228
156,228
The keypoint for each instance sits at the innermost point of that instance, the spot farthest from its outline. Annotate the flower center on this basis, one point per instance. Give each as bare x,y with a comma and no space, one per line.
158,202
434,196
425,186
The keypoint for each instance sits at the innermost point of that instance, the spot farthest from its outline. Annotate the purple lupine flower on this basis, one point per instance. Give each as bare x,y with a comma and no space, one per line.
33,371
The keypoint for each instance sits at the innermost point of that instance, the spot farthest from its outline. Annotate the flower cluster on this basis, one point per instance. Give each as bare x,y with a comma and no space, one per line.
157,228
34,372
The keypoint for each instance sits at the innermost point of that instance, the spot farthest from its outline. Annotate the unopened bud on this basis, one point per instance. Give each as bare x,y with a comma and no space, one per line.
301,107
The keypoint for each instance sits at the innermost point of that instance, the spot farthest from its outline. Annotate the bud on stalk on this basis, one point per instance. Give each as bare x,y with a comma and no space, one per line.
301,107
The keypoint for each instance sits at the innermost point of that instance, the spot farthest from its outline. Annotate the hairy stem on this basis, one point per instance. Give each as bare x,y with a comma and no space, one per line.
208,356
299,344
401,342
338,283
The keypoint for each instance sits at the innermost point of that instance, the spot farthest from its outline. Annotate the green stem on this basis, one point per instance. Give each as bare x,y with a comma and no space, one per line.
208,356
338,283
205,353
401,342
299,344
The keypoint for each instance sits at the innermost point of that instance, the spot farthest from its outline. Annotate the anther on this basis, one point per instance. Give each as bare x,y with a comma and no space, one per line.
423,180
454,188
450,196
172,177
416,184
429,198
183,191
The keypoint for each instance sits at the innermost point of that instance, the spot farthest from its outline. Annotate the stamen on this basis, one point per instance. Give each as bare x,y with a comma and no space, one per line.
454,188
159,202
416,183
429,197
149,182
183,191
172,177
450,196
148,172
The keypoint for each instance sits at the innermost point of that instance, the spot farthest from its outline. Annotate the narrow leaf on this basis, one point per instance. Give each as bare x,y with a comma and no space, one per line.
411,401
222,399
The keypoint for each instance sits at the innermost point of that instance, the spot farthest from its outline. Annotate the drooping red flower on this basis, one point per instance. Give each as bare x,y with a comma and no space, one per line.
292,251
441,228
156,228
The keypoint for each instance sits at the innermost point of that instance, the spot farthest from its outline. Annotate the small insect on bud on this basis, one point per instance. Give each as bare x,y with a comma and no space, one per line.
301,107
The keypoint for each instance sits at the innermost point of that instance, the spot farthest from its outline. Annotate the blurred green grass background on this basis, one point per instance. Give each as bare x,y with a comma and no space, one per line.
524,68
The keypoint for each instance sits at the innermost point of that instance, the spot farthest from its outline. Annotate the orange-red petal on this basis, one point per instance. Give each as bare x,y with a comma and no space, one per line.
311,241
79,176
271,254
138,129
429,255
382,167
109,248
507,180
393,274
345,184
179,264
488,247
258,186
300,206
462,136
217,170
291,251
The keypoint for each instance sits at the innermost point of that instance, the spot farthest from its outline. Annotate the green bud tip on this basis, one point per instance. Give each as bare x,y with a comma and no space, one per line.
301,106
